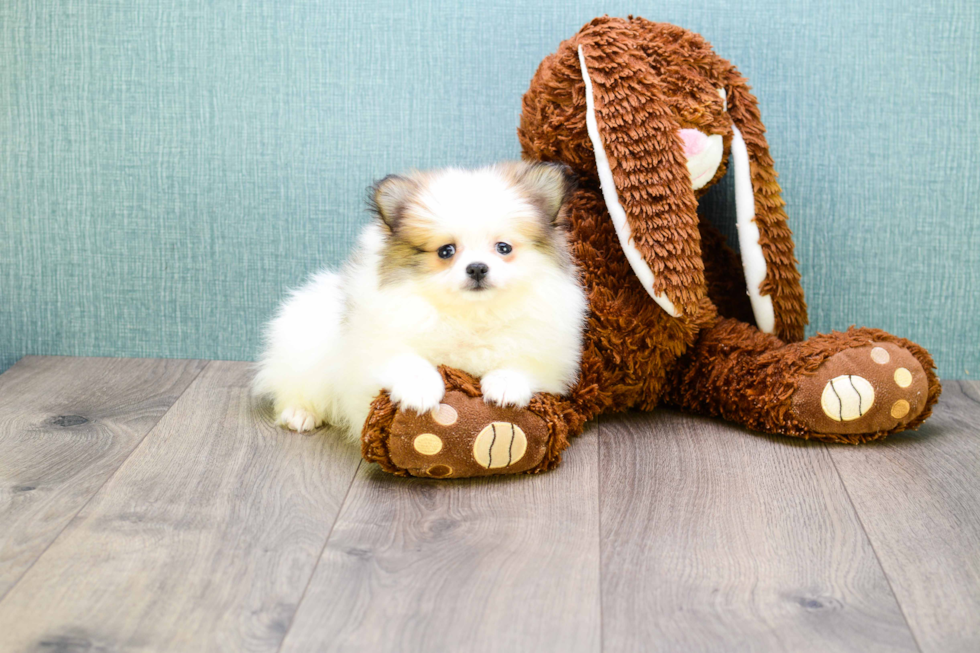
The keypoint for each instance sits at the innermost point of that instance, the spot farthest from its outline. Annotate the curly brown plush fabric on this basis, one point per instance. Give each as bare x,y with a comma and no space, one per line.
723,274
649,81
737,373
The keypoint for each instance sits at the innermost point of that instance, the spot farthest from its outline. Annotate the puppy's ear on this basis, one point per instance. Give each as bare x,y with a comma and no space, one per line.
547,184
389,196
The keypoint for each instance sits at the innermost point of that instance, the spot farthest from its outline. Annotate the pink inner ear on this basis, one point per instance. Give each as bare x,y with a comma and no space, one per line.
694,142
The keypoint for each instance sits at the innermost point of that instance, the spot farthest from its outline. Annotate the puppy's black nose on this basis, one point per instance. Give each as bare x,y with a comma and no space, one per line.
476,271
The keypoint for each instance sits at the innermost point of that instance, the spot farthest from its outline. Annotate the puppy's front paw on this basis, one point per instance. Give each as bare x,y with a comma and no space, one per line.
420,392
298,419
415,384
506,388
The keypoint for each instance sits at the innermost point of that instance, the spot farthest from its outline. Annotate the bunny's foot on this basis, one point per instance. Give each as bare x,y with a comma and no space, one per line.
465,436
877,388
852,386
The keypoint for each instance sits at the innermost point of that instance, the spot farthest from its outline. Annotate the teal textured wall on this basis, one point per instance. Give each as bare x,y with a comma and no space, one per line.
168,169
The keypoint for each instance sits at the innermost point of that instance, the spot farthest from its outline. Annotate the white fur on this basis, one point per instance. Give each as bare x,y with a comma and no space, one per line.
507,387
343,337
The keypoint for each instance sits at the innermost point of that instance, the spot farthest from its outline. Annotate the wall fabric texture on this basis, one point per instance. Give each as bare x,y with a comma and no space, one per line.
169,169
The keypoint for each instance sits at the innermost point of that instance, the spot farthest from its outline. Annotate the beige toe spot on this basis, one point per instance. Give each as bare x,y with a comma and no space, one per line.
903,377
428,444
900,409
440,471
880,355
499,445
445,415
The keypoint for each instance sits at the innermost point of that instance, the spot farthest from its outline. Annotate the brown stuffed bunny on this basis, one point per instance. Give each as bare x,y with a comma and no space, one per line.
648,117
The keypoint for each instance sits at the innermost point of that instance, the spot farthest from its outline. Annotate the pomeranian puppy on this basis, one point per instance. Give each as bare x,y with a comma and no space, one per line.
466,268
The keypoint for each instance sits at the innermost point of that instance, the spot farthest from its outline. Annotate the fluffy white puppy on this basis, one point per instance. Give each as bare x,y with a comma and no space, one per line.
466,268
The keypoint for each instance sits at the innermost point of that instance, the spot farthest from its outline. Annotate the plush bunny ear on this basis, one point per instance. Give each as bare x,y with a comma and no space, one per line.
765,240
642,168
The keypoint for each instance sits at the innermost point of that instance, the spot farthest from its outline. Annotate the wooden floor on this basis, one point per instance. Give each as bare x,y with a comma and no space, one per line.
147,505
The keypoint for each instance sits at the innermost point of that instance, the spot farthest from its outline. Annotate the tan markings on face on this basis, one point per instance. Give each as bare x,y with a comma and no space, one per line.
532,231
525,231
413,246
425,239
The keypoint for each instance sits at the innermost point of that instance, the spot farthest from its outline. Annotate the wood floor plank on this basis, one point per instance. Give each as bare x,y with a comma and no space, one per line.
501,564
203,540
714,538
918,495
66,424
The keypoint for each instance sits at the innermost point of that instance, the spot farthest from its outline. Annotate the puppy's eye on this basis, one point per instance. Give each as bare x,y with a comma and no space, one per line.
504,249
446,251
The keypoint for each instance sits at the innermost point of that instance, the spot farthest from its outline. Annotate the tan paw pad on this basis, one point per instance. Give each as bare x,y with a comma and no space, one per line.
501,444
900,409
903,378
427,444
880,355
847,397
444,415
440,471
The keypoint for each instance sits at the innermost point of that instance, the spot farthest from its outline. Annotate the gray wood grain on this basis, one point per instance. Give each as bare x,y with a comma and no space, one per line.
714,538
918,495
208,529
499,564
66,424
203,540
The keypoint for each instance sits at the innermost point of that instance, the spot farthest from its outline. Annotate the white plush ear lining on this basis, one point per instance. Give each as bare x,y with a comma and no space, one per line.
609,194
753,260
